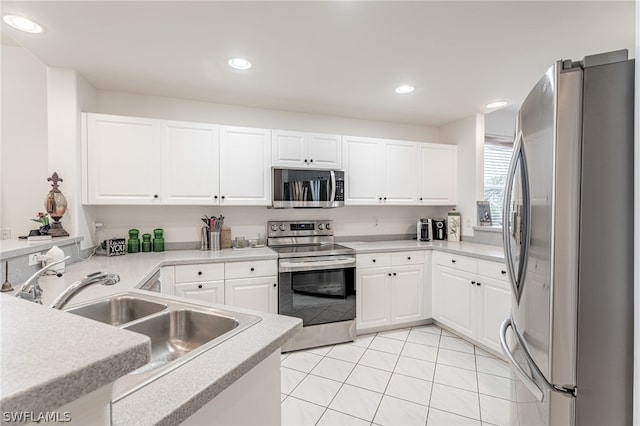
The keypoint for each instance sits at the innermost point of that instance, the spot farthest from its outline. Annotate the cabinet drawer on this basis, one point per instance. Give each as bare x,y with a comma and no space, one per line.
407,258
201,272
457,262
258,268
494,270
373,260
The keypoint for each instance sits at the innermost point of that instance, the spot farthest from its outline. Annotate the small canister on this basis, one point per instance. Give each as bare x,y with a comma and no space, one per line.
133,245
146,242
453,225
158,239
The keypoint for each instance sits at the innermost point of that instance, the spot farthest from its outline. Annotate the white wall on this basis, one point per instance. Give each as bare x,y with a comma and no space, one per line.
23,147
501,122
468,135
67,95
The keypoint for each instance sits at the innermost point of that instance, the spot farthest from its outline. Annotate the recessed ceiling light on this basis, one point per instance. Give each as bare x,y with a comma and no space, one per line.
239,63
405,88
23,24
497,104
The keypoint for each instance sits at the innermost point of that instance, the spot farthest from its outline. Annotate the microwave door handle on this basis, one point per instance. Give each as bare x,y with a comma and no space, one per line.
332,175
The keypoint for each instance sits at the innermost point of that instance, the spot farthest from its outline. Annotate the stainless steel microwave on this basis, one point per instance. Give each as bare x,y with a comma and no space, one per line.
294,188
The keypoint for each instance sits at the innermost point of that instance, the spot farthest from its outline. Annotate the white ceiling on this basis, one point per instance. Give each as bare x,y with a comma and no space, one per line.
339,58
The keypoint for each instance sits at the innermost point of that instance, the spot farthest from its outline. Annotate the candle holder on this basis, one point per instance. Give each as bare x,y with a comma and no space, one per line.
56,206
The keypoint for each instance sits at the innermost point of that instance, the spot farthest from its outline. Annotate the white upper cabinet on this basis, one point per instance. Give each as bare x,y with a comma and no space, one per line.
190,156
437,174
122,160
245,166
306,150
380,172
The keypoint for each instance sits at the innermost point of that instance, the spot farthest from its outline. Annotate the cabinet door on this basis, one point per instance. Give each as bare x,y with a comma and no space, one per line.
454,299
206,291
325,151
363,171
245,166
373,304
407,286
259,294
123,160
400,184
438,174
494,302
289,149
190,158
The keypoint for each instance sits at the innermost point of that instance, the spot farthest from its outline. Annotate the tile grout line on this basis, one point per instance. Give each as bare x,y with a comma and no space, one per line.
433,381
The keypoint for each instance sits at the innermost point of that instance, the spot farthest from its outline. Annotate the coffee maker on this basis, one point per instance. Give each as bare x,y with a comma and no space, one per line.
425,232
439,227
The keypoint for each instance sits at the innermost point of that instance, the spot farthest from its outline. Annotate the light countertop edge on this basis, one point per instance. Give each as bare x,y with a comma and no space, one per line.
14,248
68,372
479,251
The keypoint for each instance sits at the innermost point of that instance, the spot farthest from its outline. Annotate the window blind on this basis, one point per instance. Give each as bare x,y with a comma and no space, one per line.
497,155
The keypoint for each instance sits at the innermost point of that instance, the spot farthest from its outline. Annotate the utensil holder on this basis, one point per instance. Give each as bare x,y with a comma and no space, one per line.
214,240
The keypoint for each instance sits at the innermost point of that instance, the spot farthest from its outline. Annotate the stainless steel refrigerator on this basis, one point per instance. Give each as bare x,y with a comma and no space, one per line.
568,240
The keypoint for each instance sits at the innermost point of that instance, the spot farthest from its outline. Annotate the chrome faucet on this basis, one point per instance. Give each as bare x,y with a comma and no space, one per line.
97,277
31,289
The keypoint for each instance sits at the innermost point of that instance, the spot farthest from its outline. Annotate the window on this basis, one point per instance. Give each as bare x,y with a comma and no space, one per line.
497,155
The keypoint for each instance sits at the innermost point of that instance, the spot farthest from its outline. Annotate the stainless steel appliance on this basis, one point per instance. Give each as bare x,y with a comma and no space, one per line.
316,280
424,231
439,229
293,188
569,337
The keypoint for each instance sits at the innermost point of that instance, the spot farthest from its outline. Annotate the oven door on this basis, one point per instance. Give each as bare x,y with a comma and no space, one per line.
319,290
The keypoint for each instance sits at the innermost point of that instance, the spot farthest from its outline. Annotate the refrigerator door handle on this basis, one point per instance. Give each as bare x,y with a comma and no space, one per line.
524,378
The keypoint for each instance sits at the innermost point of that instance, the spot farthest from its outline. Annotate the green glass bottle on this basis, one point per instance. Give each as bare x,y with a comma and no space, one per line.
158,239
146,242
133,245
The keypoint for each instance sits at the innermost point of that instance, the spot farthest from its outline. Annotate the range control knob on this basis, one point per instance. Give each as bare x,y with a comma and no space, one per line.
328,226
274,227
282,227
320,227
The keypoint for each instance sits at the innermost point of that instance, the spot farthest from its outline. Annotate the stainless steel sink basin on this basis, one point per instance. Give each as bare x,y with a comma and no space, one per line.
118,310
179,330
176,333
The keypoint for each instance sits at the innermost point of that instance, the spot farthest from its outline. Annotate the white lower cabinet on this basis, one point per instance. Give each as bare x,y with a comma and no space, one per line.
471,296
251,285
389,288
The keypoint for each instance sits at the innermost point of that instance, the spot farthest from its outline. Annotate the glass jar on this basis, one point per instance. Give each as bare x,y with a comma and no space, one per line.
146,243
133,245
158,239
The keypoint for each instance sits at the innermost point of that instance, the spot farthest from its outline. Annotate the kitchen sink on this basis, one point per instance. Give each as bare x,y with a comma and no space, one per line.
179,330
118,310
176,333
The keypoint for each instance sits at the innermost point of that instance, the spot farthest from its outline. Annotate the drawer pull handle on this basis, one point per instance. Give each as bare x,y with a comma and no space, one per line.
199,272
199,285
252,269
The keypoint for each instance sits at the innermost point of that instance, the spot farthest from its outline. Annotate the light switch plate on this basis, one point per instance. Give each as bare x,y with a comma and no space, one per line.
5,234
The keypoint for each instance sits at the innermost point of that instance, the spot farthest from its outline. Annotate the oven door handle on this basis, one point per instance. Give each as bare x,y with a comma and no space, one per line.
295,266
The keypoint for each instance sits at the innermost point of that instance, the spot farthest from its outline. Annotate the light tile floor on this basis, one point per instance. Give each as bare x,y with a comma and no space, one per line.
414,376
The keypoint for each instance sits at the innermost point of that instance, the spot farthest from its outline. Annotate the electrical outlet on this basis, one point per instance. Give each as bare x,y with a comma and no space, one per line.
33,259
5,234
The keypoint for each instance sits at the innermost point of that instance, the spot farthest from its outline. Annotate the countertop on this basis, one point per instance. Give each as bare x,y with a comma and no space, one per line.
167,400
480,251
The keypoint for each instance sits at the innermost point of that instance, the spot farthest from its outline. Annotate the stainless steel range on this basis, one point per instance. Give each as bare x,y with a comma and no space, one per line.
316,282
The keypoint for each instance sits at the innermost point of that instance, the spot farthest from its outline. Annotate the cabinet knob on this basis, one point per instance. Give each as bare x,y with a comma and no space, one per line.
199,285
311,161
275,285
473,283
420,198
389,274
408,257
252,269
215,197
305,160
380,199
155,195
385,198
394,274
199,272
373,260
453,261
222,197
478,283
503,272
